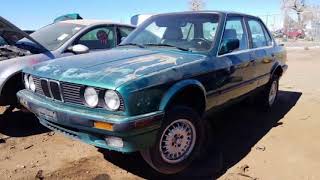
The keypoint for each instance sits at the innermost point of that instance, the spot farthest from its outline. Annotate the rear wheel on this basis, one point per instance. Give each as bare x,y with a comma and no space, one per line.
178,143
269,94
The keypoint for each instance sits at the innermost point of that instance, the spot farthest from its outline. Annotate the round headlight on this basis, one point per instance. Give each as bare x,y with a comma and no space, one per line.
32,86
91,97
112,100
26,81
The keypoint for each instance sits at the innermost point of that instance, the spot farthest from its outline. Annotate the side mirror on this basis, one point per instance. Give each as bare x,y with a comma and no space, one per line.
79,49
229,46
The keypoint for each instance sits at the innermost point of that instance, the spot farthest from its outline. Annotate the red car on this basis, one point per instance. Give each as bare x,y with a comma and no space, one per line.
295,33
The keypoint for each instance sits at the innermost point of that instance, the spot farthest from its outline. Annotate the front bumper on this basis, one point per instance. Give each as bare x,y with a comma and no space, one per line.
137,132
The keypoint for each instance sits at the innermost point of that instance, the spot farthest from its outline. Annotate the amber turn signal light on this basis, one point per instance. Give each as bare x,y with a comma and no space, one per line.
103,125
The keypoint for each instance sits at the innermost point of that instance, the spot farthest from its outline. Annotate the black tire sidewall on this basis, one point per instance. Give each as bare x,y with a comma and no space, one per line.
180,112
264,101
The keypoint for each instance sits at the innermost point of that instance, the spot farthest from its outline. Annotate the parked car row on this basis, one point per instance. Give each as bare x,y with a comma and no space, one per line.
150,92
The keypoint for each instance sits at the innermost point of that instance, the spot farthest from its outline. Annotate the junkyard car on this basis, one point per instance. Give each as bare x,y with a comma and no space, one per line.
150,93
19,50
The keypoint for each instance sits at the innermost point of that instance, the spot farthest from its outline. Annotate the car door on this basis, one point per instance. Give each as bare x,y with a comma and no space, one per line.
262,51
98,38
240,69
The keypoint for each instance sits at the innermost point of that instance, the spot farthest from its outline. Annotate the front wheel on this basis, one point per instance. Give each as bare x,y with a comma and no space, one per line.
178,142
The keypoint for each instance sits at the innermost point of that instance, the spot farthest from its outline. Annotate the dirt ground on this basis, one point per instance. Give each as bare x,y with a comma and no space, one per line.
278,145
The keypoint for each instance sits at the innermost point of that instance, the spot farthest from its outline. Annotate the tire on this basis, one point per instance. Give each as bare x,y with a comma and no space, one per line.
191,138
268,96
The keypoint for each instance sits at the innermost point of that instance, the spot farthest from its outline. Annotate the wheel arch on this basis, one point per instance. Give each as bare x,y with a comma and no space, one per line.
9,79
277,70
185,86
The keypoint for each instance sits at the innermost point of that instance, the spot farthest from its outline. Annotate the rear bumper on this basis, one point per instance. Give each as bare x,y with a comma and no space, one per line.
137,132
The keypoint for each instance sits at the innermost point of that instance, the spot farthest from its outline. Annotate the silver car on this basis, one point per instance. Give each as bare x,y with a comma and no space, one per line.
19,50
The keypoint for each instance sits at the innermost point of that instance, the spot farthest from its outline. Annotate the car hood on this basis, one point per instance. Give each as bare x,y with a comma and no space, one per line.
110,69
12,34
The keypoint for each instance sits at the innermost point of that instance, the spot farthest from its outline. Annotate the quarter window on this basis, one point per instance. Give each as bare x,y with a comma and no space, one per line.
99,38
258,34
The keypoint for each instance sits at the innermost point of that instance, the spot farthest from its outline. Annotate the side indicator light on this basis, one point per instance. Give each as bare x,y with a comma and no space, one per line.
103,125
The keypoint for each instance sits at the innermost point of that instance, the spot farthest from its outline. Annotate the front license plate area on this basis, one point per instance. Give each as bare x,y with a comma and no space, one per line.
47,114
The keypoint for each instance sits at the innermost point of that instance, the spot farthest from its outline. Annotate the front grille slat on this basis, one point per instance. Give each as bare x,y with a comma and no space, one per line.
45,88
55,90
38,85
71,93
63,91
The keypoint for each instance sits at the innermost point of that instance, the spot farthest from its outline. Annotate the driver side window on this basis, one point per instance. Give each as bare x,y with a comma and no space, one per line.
99,38
234,37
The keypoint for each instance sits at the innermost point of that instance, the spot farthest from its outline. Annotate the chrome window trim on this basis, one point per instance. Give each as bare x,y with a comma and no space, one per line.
247,31
245,50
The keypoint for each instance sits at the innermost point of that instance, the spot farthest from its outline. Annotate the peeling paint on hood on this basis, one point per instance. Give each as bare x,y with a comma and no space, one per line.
110,69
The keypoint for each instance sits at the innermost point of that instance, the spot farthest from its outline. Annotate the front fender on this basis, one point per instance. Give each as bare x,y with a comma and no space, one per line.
3,81
178,87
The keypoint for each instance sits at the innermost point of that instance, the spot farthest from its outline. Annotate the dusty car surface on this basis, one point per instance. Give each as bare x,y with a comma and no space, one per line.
19,50
151,92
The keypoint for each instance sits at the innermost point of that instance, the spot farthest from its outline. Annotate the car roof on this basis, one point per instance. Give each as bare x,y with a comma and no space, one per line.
91,22
232,13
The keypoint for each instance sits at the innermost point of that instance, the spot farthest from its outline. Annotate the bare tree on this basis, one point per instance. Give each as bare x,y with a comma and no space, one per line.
298,6
196,5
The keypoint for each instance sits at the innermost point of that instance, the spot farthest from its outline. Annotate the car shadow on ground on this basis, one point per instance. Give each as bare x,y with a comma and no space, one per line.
20,124
236,130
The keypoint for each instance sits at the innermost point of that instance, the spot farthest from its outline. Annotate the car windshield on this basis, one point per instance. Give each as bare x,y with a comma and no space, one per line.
55,35
189,32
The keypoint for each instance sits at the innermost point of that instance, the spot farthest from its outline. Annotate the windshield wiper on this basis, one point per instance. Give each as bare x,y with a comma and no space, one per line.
132,44
168,45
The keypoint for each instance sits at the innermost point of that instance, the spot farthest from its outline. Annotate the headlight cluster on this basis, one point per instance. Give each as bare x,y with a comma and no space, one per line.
29,83
111,98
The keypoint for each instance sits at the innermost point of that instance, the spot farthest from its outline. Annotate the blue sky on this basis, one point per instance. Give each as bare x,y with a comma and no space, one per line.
33,14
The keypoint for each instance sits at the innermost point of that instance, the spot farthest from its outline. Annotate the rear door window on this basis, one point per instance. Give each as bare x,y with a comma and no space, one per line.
258,35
